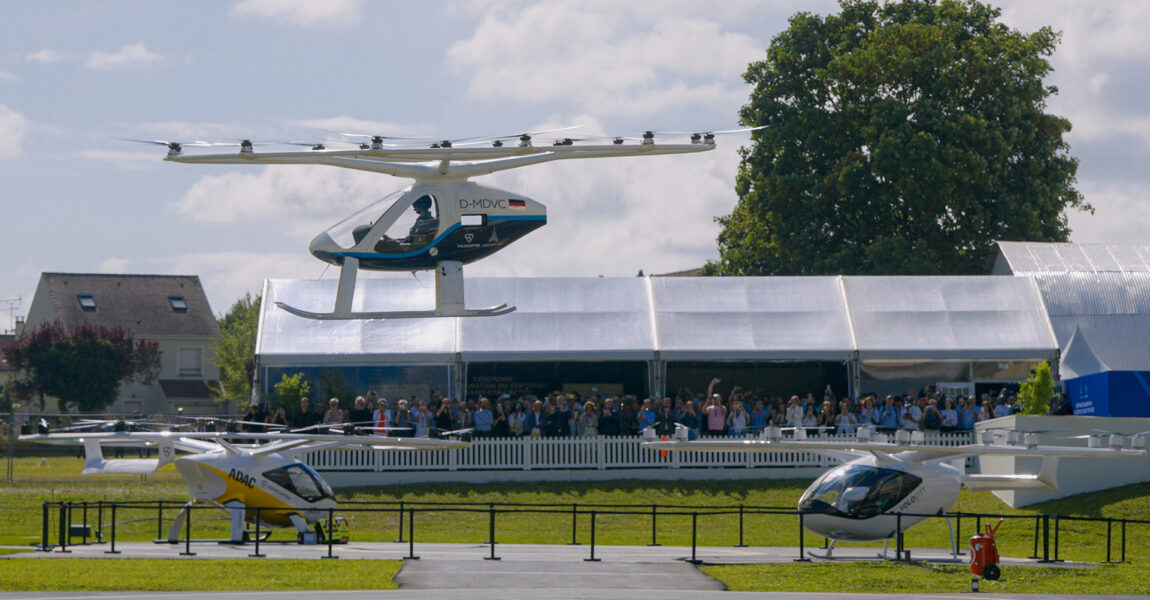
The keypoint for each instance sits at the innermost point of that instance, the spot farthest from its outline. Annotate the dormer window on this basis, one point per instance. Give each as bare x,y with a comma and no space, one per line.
87,302
179,304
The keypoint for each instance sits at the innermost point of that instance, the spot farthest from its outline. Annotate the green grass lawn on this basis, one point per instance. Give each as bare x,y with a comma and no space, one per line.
147,574
895,578
58,480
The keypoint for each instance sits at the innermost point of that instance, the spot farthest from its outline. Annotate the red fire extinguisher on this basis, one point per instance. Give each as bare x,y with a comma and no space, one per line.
984,554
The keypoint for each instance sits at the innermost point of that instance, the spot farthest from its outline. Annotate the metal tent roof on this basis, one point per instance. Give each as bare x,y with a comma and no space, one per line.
1030,258
687,318
1100,291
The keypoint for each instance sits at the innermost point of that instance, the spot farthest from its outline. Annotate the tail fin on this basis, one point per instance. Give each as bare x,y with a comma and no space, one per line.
1046,480
96,463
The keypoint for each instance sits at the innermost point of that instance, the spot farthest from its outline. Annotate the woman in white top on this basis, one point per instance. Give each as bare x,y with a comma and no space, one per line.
949,415
845,421
737,421
794,412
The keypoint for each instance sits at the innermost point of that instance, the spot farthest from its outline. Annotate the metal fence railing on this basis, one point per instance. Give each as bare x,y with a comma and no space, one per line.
96,523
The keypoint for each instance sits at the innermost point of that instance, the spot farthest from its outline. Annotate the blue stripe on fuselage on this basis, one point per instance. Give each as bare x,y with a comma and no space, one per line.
437,239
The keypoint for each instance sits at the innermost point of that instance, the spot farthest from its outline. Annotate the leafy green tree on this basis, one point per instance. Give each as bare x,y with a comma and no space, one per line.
332,385
235,351
83,368
289,390
1035,393
901,138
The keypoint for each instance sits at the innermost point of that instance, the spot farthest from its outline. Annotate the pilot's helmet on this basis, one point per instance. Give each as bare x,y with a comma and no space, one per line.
424,203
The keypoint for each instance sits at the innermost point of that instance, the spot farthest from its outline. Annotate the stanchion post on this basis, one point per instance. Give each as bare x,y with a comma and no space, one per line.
654,520
44,529
100,521
63,537
1045,538
958,531
1109,537
1123,539
330,533
694,537
257,554
491,533
898,535
1037,520
159,519
411,534
1057,521
574,519
188,533
400,540
740,544
113,549
592,559
802,551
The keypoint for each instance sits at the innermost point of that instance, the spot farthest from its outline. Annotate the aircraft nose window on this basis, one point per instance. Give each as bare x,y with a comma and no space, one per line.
858,491
352,230
299,480
413,229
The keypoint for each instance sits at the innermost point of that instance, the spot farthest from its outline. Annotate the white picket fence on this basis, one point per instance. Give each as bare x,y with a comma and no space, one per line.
527,454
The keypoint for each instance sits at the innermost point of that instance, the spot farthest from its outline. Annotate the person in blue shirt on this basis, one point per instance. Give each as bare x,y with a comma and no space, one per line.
966,416
758,418
483,419
646,416
889,415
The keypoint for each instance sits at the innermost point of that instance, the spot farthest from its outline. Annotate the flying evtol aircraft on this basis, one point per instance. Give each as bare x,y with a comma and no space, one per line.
860,499
239,471
442,221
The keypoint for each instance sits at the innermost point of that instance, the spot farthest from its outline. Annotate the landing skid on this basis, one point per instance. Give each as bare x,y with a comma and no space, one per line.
828,555
448,298
494,311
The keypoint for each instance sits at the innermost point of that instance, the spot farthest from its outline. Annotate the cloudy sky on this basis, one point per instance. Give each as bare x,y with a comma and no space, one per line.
76,78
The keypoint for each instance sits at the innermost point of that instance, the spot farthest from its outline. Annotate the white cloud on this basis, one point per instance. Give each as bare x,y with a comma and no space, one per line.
615,216
310,197
13,125
184,131
128,56
123,160
1100,41
301,12
345,124
50,56
6,76
1121,213
113,265
605,60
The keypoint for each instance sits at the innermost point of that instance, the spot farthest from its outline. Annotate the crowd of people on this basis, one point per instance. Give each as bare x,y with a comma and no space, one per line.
739,413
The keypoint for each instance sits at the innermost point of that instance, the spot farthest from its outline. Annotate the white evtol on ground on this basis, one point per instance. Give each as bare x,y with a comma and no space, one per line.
862,498
239,471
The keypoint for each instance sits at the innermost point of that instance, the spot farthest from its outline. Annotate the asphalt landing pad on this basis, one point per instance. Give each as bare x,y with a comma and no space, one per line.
551,575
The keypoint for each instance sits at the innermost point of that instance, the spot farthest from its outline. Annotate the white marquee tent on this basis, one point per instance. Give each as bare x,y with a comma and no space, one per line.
857,320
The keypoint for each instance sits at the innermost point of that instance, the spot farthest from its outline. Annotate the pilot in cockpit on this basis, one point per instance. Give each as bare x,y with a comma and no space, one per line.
420,234
424,223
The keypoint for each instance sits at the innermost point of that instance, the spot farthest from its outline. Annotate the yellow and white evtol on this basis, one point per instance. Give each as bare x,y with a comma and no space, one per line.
239,471
885,486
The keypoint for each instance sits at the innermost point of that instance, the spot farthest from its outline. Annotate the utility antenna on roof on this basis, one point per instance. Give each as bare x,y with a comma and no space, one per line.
13,304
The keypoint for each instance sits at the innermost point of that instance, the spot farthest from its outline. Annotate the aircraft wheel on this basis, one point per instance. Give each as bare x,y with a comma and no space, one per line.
991,572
